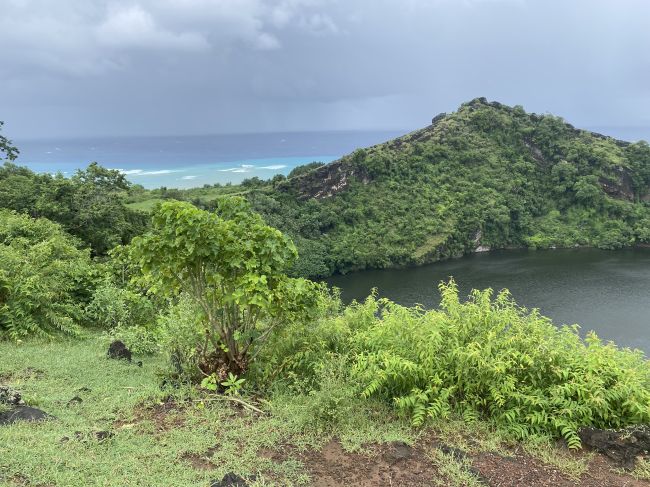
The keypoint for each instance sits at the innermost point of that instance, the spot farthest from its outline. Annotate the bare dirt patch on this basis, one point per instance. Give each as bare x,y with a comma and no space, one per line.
392,464
165,416
522,469
401,465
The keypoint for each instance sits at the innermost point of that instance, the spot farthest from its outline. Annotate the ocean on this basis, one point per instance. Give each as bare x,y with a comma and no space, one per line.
191,161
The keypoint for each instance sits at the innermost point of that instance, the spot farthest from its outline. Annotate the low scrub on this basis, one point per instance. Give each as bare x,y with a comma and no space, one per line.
45,278
485,358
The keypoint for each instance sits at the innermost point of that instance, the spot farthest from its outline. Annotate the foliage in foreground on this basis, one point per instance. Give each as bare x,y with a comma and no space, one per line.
482,359
232,266
45,278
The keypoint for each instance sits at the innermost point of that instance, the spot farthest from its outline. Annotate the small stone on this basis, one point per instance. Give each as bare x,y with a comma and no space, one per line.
118,350
74,401
103,435
230,480
399,451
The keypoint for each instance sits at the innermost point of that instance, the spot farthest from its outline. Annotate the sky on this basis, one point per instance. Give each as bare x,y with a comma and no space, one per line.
75,68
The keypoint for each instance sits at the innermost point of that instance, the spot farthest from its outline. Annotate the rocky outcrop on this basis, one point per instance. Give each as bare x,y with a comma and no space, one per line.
23,413
619,186
622,446
326,181
17,410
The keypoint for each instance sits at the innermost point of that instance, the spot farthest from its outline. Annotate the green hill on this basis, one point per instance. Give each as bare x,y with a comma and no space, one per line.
485,176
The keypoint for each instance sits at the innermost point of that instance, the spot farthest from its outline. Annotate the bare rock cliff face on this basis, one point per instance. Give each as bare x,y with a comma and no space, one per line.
621,187
326,181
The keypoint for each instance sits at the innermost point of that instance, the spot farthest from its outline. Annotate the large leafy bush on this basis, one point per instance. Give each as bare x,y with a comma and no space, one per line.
233,267
45,278
481,359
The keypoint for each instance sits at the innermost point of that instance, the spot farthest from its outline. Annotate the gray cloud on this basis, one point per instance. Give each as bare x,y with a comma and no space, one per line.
103,67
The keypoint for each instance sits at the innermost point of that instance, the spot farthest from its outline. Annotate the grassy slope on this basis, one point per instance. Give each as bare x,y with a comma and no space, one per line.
190,441
147,448
146,200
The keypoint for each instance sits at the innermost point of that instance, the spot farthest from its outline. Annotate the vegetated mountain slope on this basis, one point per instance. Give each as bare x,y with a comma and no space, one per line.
486,176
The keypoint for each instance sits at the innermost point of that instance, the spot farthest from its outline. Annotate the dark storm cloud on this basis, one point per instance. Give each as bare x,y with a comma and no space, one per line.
82,67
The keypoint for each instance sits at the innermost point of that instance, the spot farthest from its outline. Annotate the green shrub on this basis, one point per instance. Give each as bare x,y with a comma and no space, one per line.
141,340
484,359
298,350
181,337
113,307
233,267
127,315
491,359
45,279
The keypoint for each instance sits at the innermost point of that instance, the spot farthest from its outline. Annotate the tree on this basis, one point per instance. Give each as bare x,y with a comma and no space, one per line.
7,147
588,190
99,214
233,267
89,205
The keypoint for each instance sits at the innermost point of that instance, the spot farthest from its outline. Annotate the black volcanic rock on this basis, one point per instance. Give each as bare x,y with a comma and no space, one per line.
23,413
117,350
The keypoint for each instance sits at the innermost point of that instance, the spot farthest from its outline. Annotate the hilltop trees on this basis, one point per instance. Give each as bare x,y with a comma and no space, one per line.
90,205
487,175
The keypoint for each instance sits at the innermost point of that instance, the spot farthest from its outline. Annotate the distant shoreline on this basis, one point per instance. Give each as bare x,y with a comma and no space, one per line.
189,161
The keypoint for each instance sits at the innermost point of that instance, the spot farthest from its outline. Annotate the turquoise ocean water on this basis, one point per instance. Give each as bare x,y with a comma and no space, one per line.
190,161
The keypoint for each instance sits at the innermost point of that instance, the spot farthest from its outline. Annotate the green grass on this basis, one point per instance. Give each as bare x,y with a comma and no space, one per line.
182,437
642,469
202,194
195,441
455,471
146,205
565,461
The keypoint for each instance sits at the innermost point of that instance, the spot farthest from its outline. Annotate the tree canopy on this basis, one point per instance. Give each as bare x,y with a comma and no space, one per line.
90,204
233,267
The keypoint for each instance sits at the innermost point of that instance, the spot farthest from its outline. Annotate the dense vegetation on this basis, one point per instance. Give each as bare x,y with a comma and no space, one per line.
487,175
90,205
483,359
45,277
210,289
233,267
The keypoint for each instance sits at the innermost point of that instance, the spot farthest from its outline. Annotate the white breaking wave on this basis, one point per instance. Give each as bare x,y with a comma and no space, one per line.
162,171
274,167
142,172
242,168
188,177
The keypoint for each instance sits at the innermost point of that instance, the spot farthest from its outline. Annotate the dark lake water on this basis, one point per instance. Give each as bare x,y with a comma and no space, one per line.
605,291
